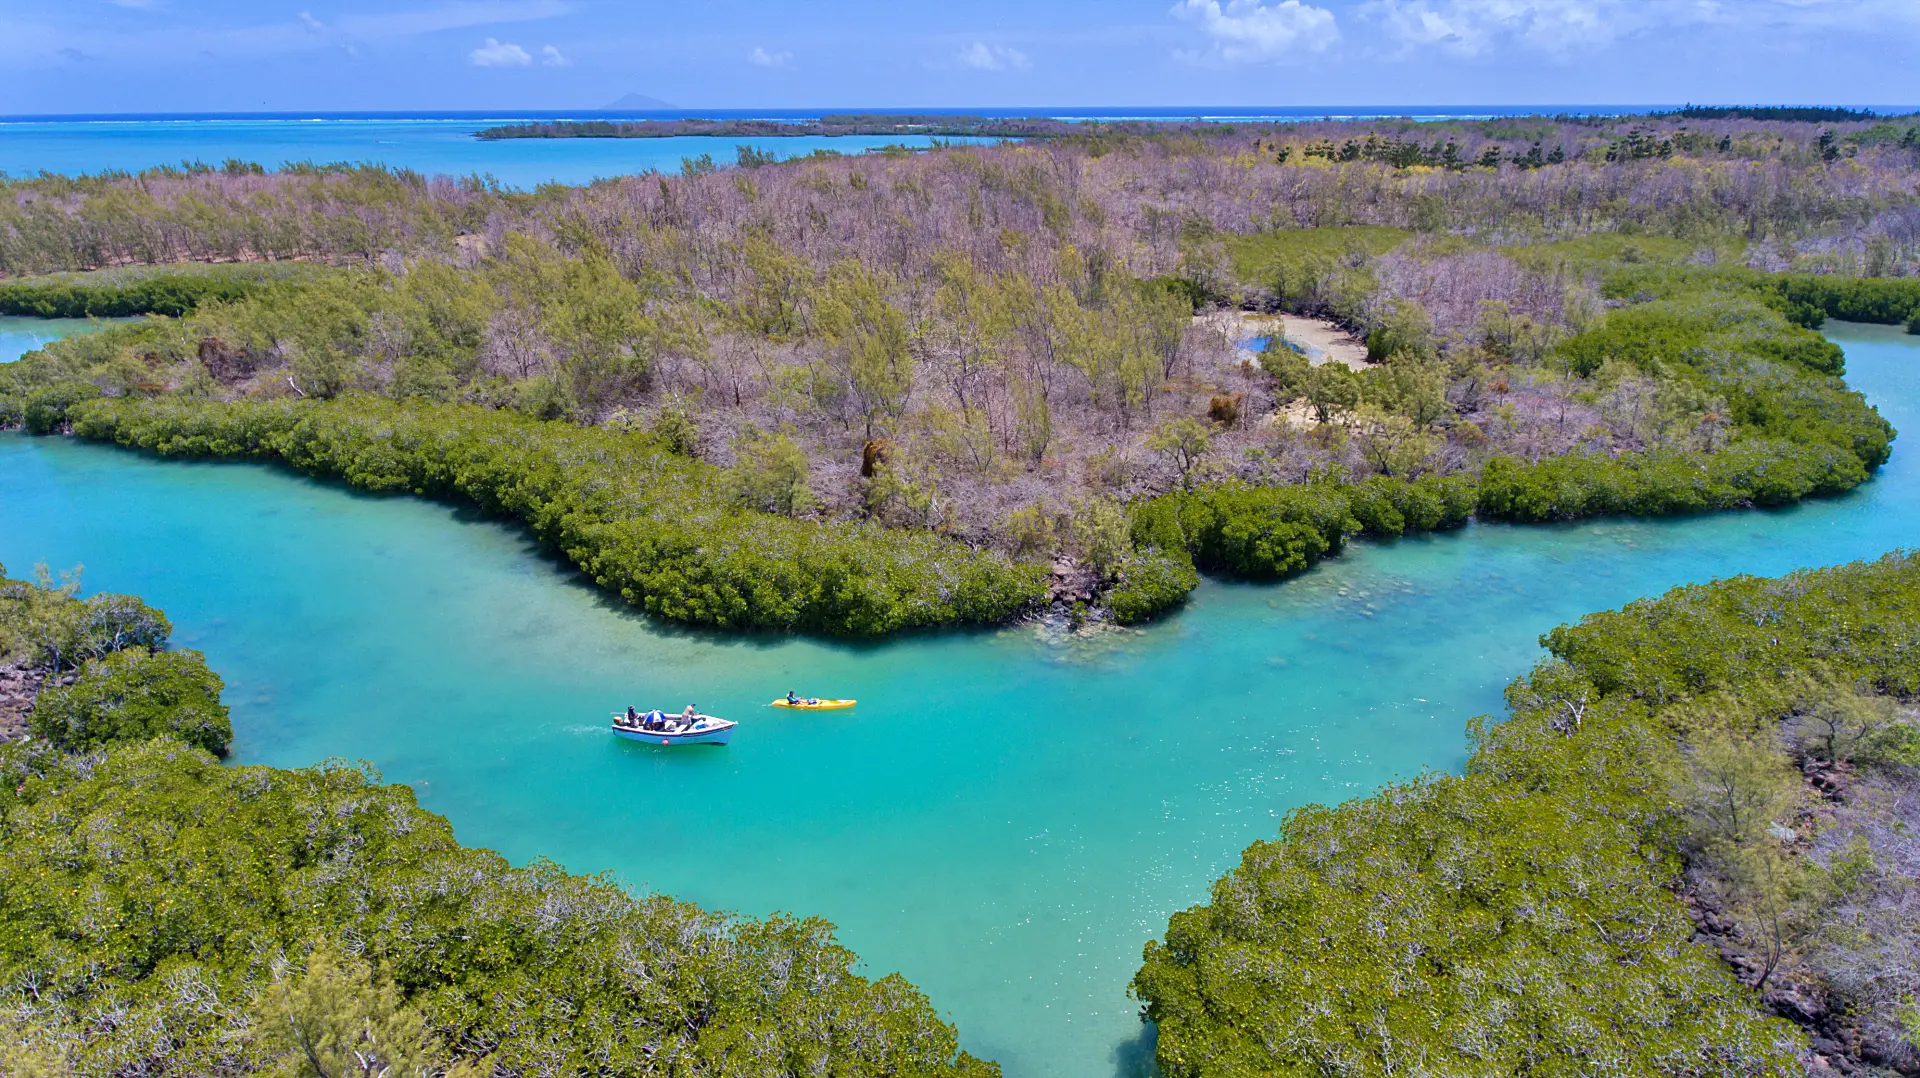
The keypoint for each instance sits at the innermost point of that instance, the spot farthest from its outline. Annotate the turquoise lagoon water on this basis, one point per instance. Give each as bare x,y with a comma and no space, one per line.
430,146
1005,818
18,336
444,144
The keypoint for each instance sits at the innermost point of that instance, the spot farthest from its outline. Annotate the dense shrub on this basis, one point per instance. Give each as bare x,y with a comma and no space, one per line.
1807,299
1860,622
1669,330
1266,533
1779,381
46,409
1521,916
1881,300
1664,484
640,521
1798,432
150,896
44,625
172,294
132,695
1151,583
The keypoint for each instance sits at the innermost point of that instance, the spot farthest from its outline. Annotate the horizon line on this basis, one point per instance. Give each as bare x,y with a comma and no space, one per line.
1515,110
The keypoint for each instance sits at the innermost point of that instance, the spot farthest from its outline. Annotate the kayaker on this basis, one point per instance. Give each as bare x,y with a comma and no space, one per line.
791,698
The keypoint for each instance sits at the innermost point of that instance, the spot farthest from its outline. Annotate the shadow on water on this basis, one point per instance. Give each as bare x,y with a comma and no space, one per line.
1133,1057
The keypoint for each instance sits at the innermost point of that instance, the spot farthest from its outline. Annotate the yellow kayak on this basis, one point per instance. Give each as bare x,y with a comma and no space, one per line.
815,705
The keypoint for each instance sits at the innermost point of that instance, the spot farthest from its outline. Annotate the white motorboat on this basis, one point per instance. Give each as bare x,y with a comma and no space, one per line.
657,728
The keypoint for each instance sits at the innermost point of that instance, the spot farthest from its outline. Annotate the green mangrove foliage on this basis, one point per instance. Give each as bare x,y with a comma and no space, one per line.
1791,426
132,695
44,624
1265,533
638,519
171,291
1521,916
105,669
1664,483
1807,299
168,916
1777,424
163,915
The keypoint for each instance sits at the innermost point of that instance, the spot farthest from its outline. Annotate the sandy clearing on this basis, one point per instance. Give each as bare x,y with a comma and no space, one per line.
1322,341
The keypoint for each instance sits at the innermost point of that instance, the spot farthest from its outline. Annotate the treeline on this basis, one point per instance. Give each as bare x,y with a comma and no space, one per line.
1806,299
1109,190
326,214
640,521
1439,153
1798,114
1523,915
166,915
172,291
837,124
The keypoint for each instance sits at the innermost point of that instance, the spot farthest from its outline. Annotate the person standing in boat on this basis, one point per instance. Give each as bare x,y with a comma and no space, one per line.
686,717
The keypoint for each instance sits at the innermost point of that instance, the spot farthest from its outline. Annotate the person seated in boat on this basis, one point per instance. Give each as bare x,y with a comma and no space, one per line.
633,717
792,699
653,720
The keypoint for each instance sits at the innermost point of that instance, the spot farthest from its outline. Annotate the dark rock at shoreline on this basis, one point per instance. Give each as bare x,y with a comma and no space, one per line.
19,684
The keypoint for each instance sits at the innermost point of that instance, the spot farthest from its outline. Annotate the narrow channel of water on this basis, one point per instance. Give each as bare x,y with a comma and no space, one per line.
1005,819
20,335
434,147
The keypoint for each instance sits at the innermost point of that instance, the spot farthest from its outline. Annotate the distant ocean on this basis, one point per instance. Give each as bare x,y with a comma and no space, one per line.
442,143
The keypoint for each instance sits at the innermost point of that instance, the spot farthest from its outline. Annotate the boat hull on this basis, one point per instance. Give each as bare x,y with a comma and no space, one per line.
715,732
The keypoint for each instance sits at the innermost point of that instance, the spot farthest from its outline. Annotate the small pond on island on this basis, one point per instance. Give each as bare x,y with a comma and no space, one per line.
1005,819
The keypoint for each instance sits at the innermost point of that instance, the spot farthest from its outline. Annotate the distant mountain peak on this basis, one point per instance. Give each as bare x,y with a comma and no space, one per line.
640,101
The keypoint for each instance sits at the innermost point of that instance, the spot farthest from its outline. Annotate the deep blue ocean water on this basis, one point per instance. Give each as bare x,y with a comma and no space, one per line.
1006,817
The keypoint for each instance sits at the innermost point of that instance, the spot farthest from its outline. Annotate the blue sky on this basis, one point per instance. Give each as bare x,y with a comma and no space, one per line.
240,55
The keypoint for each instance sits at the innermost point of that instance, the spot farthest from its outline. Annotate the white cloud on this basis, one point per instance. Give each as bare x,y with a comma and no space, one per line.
315,25
984,57
1471,28
552,57
499,54
450,16
1248,31
760,57
1563,29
